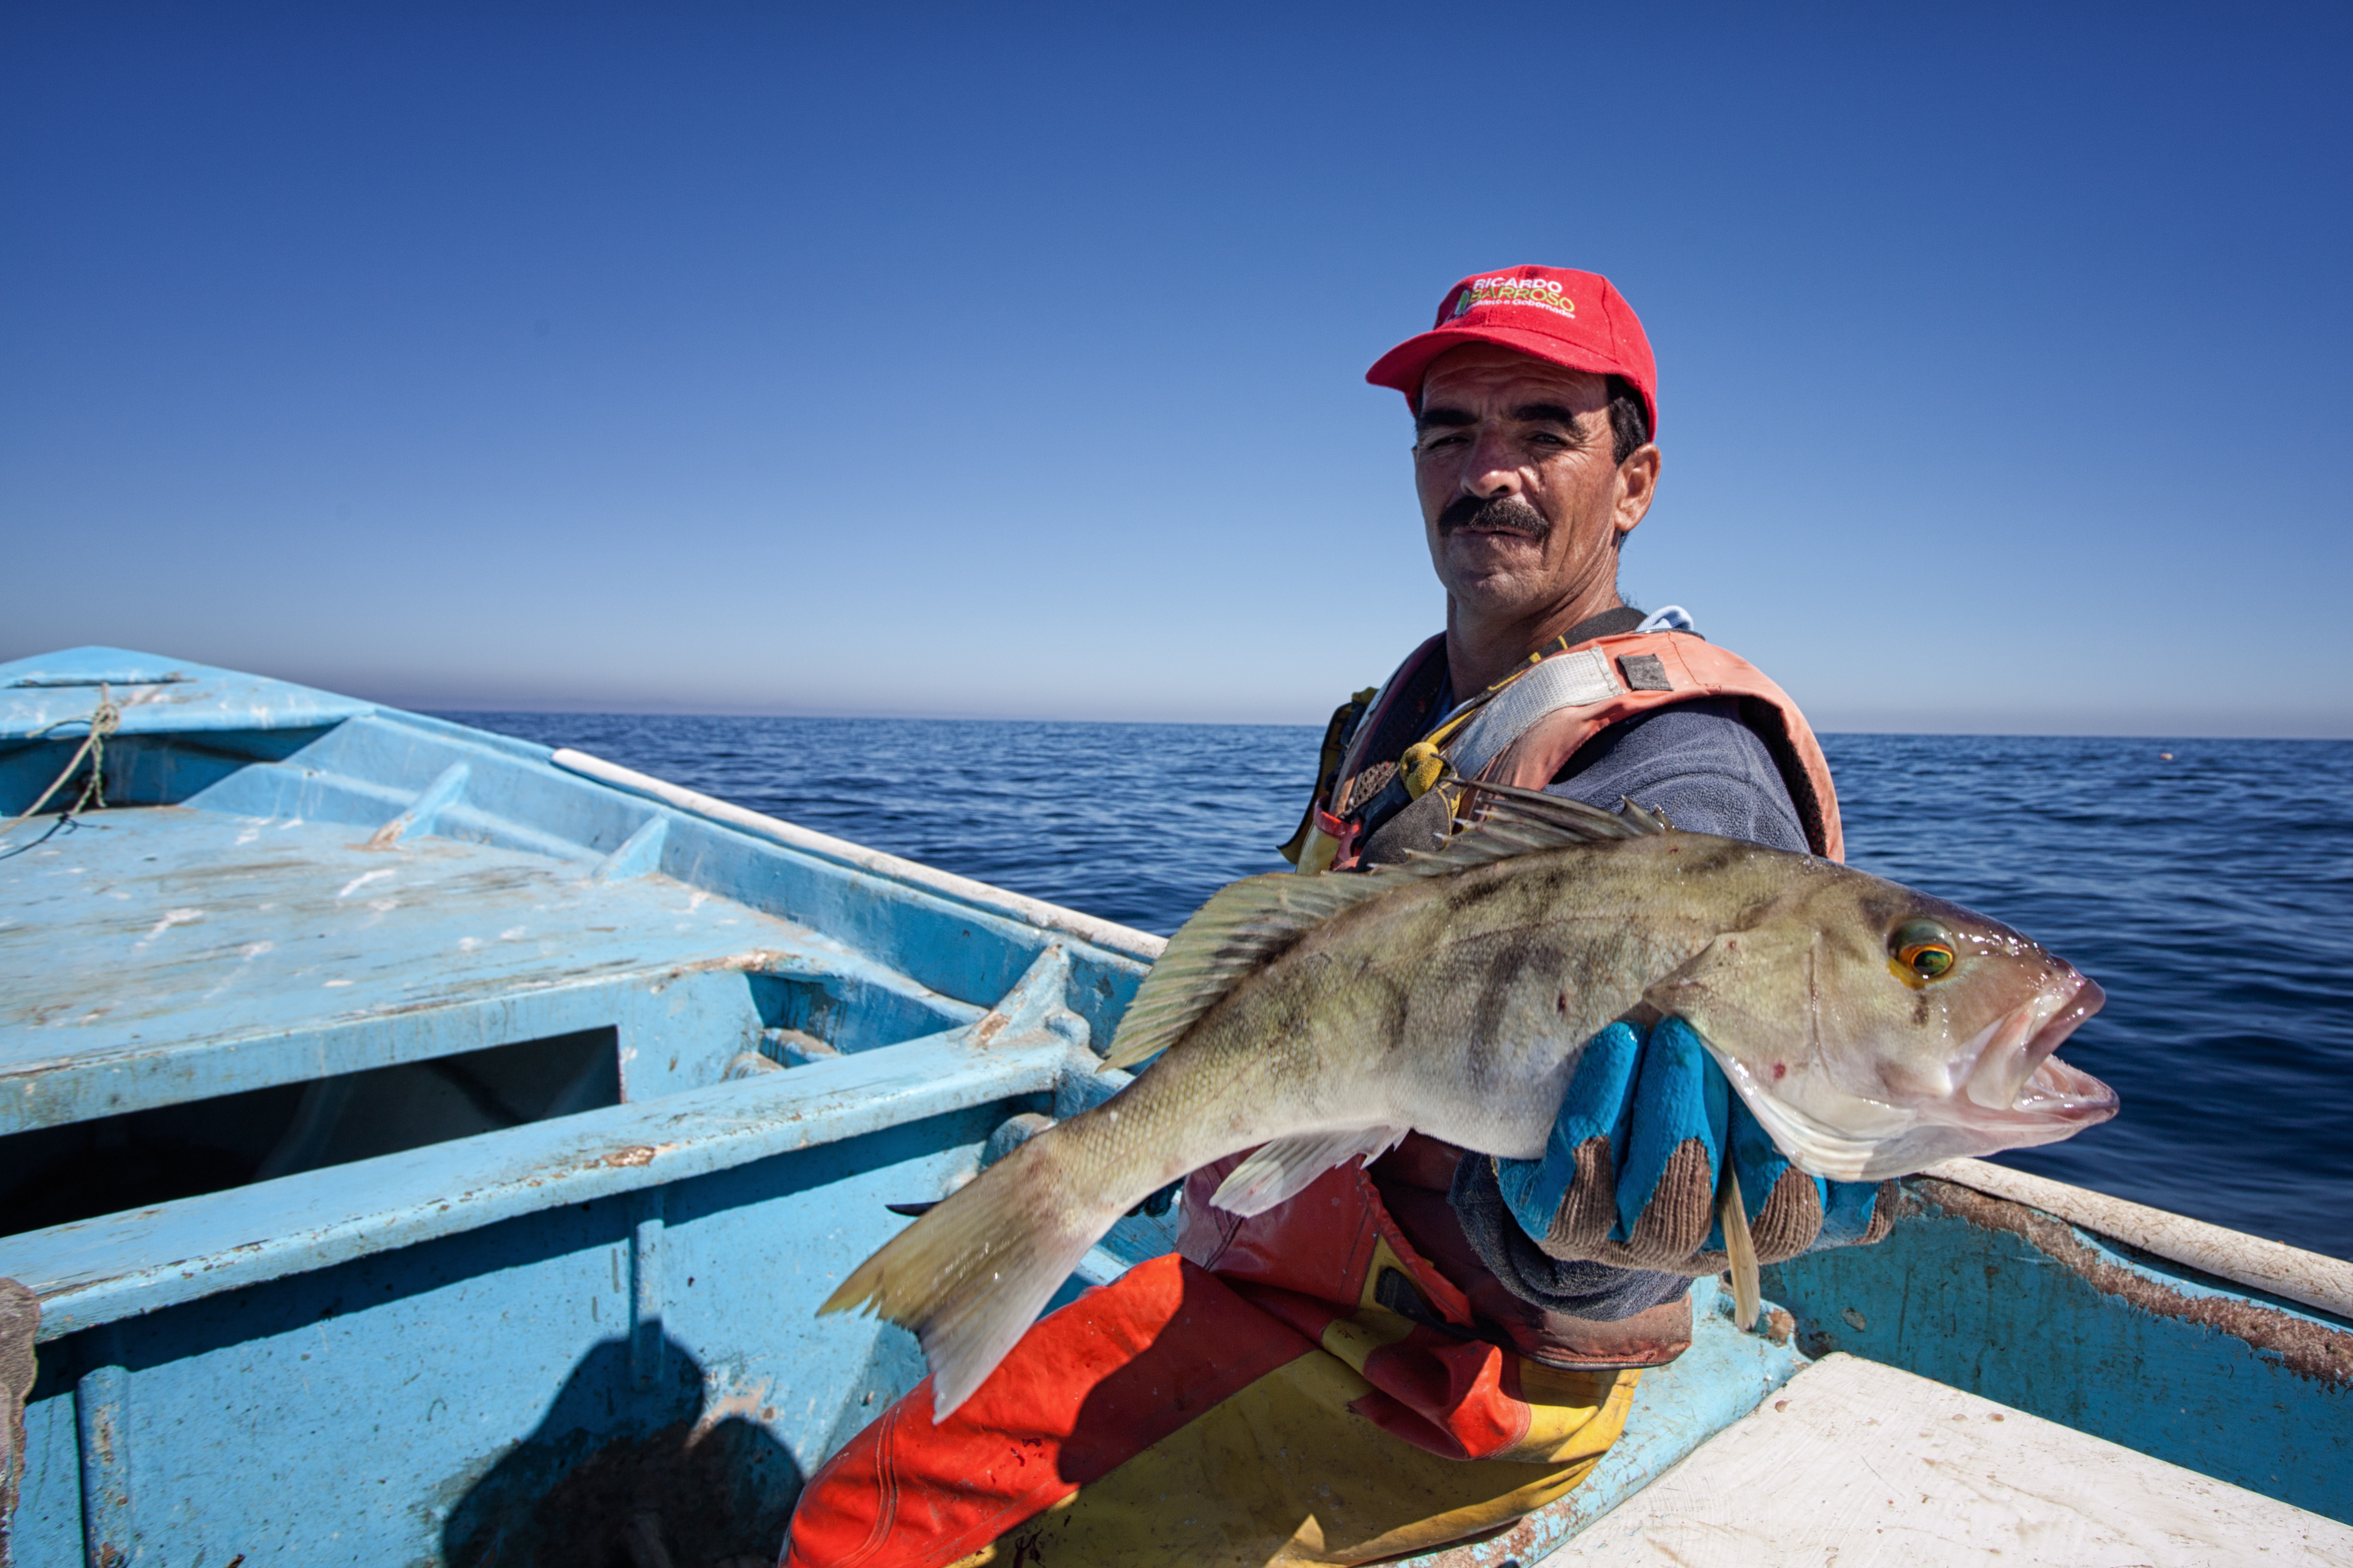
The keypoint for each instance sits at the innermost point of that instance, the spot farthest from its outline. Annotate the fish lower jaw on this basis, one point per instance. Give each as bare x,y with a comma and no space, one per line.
2005,1060
2063,1093
1873,1140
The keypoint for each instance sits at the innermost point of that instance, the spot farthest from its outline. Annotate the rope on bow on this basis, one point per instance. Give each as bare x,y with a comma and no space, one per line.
104,720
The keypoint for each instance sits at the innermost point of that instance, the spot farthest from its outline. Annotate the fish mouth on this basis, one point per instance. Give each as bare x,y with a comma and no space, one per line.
2064,1094
2018,1075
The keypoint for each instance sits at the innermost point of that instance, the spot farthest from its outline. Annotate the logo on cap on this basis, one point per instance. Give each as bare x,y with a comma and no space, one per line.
1538,291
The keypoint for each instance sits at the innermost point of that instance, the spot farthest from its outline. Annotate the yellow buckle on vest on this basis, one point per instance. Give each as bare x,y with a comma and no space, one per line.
1421,766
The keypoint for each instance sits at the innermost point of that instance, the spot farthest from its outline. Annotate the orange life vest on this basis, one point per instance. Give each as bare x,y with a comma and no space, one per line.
1521,731
1525,728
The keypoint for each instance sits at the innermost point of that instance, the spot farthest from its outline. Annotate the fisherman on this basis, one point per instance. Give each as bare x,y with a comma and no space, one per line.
1426,1350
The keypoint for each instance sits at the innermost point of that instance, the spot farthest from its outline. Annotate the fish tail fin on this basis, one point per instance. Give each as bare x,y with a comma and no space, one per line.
970,1276
1739,1250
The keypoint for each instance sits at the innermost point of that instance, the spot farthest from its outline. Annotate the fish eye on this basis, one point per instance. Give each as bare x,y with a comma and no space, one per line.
1923,950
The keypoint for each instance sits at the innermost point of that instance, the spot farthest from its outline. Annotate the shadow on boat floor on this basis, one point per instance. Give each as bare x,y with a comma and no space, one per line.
620,1476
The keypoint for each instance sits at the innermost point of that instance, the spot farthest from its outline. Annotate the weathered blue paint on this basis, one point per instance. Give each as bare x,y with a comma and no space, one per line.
102,1422
400,1357
389,1408
101,1269
157,696
2036,1313
514,1262
646,1289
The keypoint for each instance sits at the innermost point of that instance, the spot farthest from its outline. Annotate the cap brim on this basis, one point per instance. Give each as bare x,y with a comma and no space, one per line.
1404,366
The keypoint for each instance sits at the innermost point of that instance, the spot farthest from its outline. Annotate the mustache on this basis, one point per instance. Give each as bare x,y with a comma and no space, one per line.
1506,512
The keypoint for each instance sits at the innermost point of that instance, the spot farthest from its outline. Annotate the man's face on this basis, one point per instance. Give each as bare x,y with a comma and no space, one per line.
1521,497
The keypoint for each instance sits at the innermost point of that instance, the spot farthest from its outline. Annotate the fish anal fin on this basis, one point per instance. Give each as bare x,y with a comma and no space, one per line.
1282,1169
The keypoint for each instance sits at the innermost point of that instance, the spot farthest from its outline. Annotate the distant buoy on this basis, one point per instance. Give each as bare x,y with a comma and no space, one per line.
2165,756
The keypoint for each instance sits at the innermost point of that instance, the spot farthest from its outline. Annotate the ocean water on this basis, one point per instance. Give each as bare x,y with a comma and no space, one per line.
2211,894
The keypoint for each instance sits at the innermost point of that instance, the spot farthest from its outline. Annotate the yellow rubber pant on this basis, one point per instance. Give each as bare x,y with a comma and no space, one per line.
1283,1472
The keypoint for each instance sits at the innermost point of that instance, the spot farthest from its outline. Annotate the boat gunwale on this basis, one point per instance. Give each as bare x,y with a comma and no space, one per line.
1125,941
2311,1280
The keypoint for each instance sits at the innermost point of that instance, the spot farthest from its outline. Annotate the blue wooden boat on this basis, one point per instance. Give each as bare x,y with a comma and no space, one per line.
429,1148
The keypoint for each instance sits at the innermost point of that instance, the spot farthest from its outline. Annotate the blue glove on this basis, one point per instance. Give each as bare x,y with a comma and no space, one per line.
1630,1174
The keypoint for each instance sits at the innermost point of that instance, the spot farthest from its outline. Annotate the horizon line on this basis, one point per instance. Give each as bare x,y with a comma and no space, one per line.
457,715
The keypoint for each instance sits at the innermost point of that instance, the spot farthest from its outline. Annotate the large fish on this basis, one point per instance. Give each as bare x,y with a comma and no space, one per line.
1872,1031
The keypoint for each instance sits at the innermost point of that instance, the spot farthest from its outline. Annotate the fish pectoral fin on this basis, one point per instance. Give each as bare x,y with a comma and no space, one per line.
1739,1248
1282,1169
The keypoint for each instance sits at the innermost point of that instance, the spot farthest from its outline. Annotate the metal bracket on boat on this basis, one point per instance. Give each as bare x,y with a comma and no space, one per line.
431,802
1038,1004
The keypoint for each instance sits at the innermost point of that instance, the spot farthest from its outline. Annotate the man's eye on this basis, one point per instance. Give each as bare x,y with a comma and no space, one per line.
1431,443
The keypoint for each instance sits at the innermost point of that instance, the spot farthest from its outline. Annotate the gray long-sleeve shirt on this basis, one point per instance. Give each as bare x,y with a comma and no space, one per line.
1696,761
1710,773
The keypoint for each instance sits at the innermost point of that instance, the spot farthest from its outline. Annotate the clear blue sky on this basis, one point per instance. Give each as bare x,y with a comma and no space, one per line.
1006,362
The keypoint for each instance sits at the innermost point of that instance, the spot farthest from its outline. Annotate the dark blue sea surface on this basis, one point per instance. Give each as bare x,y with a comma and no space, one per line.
2211,894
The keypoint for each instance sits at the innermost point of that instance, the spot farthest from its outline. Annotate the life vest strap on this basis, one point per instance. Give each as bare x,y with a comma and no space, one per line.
1580,678
1525,727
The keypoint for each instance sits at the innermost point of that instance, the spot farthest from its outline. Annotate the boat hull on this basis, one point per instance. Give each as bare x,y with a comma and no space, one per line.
544,1102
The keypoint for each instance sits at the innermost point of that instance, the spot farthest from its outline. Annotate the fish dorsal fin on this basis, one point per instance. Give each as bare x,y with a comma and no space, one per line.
1243,924
1248,922
1510,821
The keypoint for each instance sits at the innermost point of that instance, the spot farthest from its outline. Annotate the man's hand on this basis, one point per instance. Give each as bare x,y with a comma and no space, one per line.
1629,1175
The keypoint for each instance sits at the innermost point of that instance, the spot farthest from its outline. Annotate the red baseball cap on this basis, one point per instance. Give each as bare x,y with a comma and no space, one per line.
1575,320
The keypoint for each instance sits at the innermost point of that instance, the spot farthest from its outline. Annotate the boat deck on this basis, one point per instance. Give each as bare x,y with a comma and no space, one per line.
165,952
1859,1464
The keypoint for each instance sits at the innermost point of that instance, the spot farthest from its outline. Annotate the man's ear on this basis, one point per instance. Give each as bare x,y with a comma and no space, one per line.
1637,486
